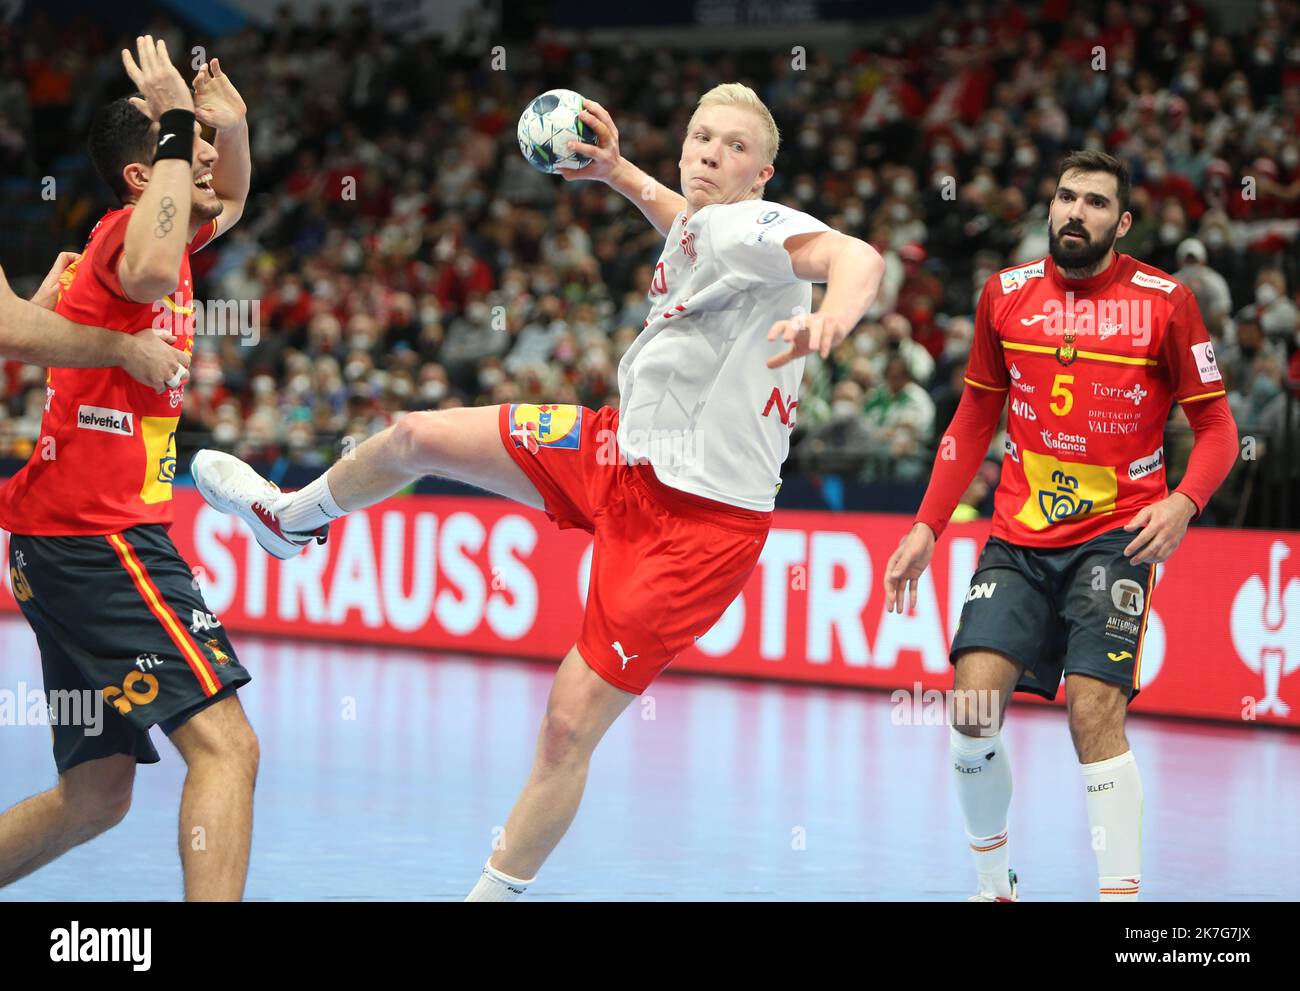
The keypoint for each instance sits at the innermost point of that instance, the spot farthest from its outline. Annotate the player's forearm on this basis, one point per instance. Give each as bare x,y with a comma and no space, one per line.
158,231
233,172
852,280
37,336
961,451
659,203
1214,450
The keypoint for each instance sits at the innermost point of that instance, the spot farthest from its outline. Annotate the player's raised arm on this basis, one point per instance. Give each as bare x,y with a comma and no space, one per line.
217,104
851,269
32,332
158,231
659,203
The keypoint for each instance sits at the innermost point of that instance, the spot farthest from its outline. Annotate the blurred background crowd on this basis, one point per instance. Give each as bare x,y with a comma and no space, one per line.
403,255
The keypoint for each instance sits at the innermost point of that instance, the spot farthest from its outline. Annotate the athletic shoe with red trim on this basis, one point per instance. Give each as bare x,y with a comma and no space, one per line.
988,896
229,485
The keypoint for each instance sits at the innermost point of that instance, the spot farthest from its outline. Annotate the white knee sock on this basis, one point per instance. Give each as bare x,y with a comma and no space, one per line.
982,773
309,508
1114,797
496,886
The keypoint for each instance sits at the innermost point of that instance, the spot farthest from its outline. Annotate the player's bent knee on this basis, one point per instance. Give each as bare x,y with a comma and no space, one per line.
97,798
416,439
560,741
220,733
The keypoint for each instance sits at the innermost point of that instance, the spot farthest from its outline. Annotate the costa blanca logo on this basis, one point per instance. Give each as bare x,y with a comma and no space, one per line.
109,421
1149,465
1265,626
1061,441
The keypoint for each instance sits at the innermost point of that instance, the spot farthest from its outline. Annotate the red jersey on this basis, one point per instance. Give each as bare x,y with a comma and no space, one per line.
107,451
1093,367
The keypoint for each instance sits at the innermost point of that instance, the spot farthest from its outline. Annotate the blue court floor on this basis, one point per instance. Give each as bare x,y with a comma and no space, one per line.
385,773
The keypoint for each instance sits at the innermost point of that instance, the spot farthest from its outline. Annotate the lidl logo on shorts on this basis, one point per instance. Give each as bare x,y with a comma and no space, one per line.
553,426
109,421
1064,490
1127,596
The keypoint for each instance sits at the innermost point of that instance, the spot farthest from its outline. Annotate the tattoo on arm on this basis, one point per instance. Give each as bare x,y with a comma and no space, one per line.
166,211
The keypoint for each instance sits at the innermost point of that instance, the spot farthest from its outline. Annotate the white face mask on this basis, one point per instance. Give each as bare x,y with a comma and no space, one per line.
433,391
865,188
1265,294
1169,233
1025,157
844,409
903,186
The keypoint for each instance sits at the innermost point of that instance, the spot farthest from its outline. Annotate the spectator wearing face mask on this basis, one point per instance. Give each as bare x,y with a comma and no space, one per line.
1275,312
844,443
898,343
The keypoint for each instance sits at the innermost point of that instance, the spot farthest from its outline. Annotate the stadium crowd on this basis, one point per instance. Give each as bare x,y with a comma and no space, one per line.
403,255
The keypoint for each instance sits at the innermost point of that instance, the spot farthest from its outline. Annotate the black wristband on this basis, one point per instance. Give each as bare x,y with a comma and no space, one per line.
175,135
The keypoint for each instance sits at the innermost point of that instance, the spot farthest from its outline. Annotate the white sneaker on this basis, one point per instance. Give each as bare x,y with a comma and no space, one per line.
988,896
229,485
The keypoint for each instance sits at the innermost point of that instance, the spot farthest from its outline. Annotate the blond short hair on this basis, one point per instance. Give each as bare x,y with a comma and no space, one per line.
740,95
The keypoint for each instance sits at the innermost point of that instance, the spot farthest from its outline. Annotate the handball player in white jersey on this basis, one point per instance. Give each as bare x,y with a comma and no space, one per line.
678,486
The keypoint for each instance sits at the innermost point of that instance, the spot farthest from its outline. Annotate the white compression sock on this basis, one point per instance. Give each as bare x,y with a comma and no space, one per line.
1114,798
982,773
309,508
496,886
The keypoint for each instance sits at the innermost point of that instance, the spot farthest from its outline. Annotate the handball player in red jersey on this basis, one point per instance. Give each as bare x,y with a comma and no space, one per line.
1093,348
677,484
113,605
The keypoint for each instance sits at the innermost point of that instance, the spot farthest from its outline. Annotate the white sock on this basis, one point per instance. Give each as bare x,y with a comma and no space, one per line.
309,508
1114,796
497,886
982,773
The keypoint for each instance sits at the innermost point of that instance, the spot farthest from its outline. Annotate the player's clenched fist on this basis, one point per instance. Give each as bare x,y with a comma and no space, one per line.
604,155
150,359
805,334
156,78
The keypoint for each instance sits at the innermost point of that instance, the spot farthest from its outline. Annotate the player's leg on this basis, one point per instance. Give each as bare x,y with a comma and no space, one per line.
983,683
216,819
581,707
992,659
89,799
461,444
1106,608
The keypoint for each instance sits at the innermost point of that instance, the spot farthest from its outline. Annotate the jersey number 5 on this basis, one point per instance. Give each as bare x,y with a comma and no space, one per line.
1059,391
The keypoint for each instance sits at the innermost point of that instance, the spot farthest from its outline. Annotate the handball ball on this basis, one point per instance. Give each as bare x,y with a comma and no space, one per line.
547,126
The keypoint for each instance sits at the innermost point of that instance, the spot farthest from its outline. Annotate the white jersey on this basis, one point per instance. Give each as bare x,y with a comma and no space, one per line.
697,400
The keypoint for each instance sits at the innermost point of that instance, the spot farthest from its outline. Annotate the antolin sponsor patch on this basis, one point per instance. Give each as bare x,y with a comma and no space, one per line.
110,421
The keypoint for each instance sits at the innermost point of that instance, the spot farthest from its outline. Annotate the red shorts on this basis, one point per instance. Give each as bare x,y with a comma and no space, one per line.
666,563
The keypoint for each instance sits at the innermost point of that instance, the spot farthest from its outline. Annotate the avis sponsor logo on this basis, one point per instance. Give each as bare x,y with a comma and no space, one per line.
1061,441
1206,364
109,421
1149,465
77,945
1021,407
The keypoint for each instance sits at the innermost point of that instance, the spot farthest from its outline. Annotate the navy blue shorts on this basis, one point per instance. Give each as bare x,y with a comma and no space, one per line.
1059,611
120,615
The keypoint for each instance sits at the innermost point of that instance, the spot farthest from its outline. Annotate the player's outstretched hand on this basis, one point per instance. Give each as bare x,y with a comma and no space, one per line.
156,78
217,104
806,333
905,567
604,156
151,360
1163,525
48,292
